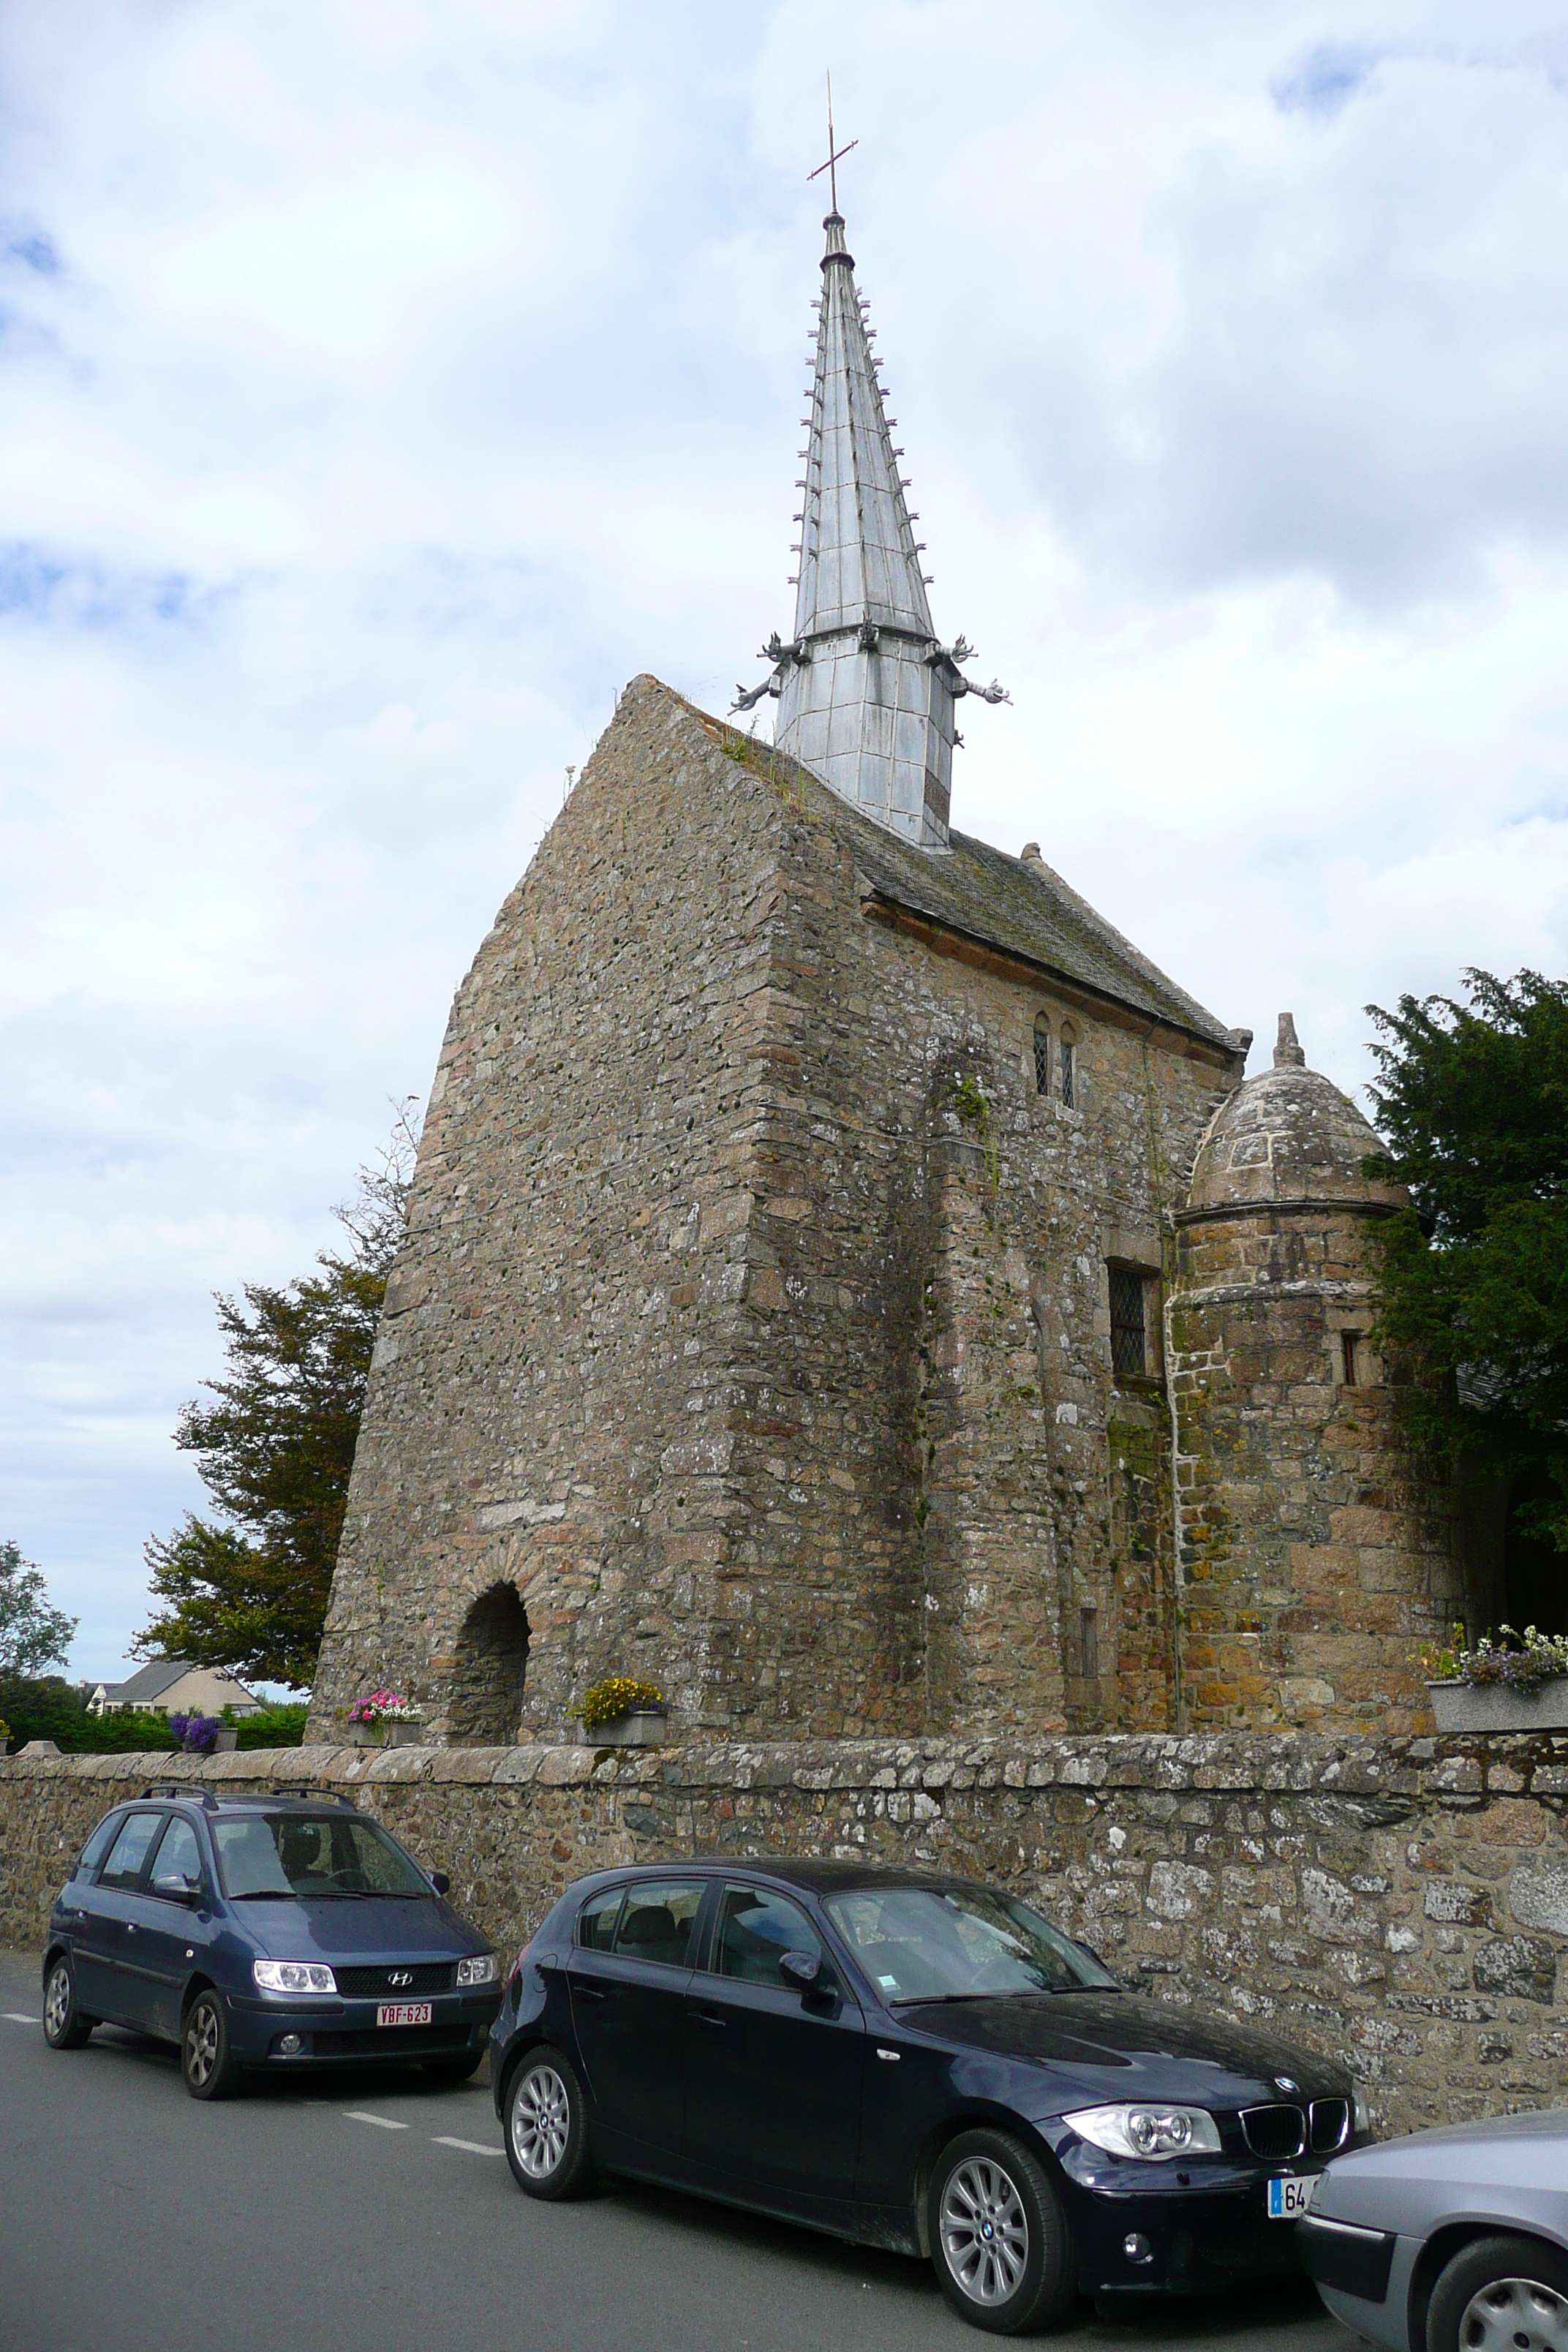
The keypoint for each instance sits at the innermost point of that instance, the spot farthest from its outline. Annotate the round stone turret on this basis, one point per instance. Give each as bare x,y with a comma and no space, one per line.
1316,1553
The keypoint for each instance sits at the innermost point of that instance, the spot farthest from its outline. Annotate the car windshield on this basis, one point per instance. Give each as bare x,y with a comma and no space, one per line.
927,1943
288,1854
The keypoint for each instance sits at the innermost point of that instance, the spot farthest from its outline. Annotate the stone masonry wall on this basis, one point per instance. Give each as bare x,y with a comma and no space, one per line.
1319,1550
1401,1902
754,1321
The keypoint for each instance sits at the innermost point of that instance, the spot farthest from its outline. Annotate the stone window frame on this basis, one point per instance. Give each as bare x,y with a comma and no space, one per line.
1354,1324
1044,1056
1070,1066
1122,1256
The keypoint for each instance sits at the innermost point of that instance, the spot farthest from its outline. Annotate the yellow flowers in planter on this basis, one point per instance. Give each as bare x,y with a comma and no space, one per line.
616,1695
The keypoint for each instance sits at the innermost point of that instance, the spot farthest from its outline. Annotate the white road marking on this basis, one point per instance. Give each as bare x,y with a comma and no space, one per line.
362,2116
15,2016
468,2147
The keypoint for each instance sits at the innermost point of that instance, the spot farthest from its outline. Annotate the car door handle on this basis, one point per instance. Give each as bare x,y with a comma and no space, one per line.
707,2017
588,1992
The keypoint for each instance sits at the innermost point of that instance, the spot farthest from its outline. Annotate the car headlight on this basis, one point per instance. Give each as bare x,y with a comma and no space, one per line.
1151,2134
293,1976
479,1971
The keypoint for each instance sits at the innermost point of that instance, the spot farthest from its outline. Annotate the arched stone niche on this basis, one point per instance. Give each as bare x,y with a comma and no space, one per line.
490,1665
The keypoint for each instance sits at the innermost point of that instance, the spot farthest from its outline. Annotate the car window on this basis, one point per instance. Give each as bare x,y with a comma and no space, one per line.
131,1850
923,1943
657,1921
596,1920
178,1851
756,1929
97,1846
322,1854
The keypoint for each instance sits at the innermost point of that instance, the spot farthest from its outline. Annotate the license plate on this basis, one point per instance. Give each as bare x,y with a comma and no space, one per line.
1289,2199
419,2013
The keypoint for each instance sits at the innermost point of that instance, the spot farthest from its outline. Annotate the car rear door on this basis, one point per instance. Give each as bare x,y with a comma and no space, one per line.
773,2074
628,1978
79,1914
110,1928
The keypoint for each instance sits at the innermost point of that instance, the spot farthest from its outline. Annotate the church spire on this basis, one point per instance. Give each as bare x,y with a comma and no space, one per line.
866,691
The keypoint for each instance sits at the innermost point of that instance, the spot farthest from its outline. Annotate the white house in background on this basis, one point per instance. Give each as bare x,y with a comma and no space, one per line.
168,1686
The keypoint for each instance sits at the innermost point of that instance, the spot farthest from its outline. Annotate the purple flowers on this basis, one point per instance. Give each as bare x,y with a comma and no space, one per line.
196,1731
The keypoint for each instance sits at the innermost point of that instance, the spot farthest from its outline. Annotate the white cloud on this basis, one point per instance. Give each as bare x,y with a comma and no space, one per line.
381,387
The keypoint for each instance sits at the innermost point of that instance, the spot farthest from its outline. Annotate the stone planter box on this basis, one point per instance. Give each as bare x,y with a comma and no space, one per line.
226,1741
1493,1707
406,1733
642,1727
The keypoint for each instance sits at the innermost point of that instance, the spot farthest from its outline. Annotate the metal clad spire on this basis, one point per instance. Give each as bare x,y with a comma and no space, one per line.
866,691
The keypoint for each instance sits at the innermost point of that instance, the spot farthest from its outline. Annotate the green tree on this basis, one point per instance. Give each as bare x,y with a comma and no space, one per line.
1473,1277
32,1635
248,1589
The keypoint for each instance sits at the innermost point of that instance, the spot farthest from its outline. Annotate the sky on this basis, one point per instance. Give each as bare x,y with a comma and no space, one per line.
381,386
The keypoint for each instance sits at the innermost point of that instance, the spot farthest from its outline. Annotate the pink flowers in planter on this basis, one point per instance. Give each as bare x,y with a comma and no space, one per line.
384,1707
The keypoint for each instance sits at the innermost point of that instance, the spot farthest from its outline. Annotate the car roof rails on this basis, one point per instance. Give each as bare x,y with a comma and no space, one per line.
317,1796
190,1795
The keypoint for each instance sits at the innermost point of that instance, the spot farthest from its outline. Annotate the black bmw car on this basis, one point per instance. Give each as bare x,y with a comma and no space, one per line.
916,2062
273,1934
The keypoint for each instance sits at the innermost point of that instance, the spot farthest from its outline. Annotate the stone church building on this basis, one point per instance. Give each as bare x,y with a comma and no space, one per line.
846,1284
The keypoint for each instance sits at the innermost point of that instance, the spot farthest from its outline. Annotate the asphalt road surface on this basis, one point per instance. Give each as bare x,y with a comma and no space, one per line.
373,2213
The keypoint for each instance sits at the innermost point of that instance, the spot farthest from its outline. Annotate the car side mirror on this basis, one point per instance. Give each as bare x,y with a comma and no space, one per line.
801,1969
177,1887
440,1882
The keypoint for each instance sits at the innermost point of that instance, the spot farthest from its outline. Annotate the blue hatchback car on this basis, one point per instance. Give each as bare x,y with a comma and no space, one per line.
282,1932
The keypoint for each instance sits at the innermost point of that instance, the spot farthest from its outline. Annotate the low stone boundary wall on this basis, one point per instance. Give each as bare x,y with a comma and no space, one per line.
1401,1902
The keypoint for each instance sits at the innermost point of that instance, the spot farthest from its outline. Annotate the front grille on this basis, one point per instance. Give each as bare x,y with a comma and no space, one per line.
1274,2133
431,1976
405,2041
1328,2122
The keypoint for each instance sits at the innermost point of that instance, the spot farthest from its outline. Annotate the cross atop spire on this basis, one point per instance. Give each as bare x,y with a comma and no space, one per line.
834,158
866,691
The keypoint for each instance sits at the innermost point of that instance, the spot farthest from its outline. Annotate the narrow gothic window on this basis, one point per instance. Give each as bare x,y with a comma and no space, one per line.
1089,1638
1068,1068
1042,1056
1349,1343
1128,1335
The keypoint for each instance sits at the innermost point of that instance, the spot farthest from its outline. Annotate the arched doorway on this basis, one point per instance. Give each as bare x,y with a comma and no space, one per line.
490,1665
1535,1574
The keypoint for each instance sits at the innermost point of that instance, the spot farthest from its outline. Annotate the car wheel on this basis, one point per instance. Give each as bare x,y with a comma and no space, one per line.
66,2027
207,2056
998,2236
547,2126
1500,2295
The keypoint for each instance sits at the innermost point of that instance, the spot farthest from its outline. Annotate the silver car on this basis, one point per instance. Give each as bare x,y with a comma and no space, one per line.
1451,2241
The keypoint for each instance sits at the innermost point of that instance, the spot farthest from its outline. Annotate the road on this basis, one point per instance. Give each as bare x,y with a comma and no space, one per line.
383,2215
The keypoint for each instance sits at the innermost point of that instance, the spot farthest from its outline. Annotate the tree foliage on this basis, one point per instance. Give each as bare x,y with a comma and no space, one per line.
1473,1277
248,1589
33,1636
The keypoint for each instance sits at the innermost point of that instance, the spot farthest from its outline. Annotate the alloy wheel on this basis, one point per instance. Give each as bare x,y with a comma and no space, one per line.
57,2000
201,2043
984,2231
1515,2314
540,2121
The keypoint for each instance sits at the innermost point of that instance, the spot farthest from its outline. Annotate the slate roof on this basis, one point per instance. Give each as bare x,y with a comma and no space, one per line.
153,1679
1001,902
